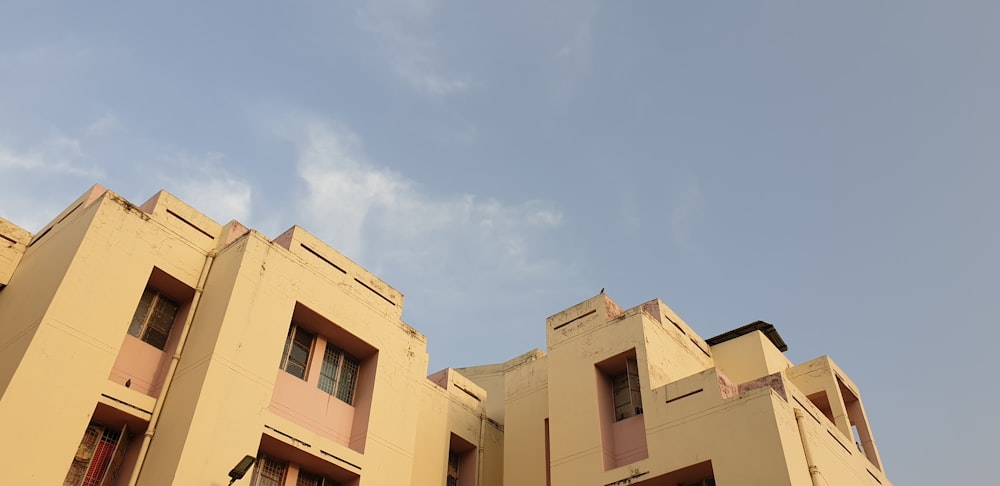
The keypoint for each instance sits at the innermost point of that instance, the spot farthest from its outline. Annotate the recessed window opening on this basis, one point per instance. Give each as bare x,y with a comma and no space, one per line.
626,391
339,374
298,343
307,478
700,474
153,318
462,462
619,397
99,457
453,460
325,361
279,462
269,472
703,482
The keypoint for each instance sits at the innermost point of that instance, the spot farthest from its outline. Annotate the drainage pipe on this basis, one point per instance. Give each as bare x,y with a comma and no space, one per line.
158,406
479,467
813,468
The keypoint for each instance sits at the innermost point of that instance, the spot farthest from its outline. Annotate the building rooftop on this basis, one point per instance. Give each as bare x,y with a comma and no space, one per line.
764,327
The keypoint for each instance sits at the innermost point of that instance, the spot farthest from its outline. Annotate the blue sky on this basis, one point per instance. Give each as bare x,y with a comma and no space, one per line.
828,167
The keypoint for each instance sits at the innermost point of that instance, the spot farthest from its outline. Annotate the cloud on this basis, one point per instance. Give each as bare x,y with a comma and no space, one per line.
57,155
203,182
54,164
402,32
381,217
11,160
104,151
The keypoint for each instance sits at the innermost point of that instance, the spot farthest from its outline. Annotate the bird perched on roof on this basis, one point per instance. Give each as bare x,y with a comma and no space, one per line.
602,290
128,382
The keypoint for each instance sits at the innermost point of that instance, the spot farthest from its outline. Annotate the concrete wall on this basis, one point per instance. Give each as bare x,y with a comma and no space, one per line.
737,411
66,352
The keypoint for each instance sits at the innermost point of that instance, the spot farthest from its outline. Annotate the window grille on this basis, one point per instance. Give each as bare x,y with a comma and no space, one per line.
98,457
153,318
339,374
307,478
269,472
453,459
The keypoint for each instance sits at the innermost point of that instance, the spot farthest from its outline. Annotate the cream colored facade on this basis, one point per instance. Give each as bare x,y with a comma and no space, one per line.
151,345
731,410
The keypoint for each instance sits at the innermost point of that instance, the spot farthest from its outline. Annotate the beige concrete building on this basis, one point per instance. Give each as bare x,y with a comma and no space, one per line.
151,345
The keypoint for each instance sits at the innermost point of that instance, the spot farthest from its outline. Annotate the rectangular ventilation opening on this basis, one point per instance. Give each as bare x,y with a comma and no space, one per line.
573,320
196,228
321,257
376,292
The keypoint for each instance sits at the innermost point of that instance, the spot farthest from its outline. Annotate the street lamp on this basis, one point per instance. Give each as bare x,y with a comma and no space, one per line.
241,469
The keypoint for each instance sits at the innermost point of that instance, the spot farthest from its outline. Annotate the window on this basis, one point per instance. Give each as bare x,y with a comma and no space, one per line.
307,478
338,374
626,392
98,458
453,460
297,346
153,318
462,462
619,404
269,472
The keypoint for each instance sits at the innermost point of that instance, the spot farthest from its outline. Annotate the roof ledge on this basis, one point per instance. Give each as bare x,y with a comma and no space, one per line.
768,329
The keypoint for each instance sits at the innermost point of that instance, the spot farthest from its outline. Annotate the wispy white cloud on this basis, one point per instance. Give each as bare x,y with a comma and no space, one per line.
203,182
403,33
46,167
103,151
11,160
383,218
57,154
